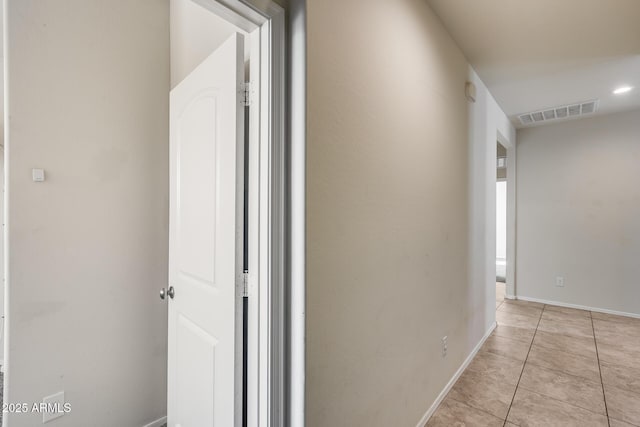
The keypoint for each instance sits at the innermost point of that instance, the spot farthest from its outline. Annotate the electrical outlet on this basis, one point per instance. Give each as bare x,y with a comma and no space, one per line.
560,282
53,407
444,346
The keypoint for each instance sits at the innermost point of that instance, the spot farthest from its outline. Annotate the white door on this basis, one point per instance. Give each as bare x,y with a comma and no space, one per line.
206,117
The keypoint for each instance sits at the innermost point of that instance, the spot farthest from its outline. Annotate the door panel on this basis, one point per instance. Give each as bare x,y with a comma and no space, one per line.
195,347
205,179
196,148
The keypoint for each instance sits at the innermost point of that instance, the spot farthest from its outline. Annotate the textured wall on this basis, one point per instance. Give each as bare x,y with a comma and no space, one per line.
388,204
88,87
579,212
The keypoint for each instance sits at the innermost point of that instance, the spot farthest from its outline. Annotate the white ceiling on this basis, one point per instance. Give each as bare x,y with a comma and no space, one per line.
534,55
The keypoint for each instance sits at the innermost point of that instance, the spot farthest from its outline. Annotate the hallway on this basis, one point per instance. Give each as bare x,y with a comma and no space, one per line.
550,366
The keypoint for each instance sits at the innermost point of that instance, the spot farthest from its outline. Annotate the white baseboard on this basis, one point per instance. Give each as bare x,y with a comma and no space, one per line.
156,423
579,307
455,377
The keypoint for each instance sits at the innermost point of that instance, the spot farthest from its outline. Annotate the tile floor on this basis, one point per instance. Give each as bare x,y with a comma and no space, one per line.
550,366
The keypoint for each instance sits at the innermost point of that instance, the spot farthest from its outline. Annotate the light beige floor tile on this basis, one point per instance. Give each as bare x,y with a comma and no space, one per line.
565,328
622,404
619,354
524,303
483,392
607,326
515,333
564,387
499,368
571,318
615,318
531,409
567,310
506,347
581,346
617,423
518,320
617,332
581,366
454,413
622,377
522,310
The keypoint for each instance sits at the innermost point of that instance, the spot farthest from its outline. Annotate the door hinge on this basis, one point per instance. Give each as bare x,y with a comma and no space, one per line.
246,94
245,284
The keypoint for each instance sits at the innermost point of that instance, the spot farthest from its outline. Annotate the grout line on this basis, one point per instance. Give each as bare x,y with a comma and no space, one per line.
560,371
571,352
604,395
562,401
523,366
472,407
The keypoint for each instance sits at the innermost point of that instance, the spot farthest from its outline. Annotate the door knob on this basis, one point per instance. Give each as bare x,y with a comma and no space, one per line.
171,292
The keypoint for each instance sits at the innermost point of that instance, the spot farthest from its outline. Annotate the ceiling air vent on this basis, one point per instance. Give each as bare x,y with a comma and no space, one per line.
589,107
558,113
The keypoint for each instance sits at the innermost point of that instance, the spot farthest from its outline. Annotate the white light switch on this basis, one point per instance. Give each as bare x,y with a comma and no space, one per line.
38,175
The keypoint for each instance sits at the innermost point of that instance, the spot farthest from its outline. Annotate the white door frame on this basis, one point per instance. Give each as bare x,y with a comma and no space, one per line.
265,23
296,240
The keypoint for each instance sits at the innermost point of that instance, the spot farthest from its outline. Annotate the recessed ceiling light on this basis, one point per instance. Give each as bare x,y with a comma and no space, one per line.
623,89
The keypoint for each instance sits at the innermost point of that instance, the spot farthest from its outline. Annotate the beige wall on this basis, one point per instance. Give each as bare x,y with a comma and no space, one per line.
88,101
388,201
487,124
579,212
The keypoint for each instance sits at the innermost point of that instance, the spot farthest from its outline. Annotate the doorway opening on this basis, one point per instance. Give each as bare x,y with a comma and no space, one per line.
231,218
226,178
501,223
